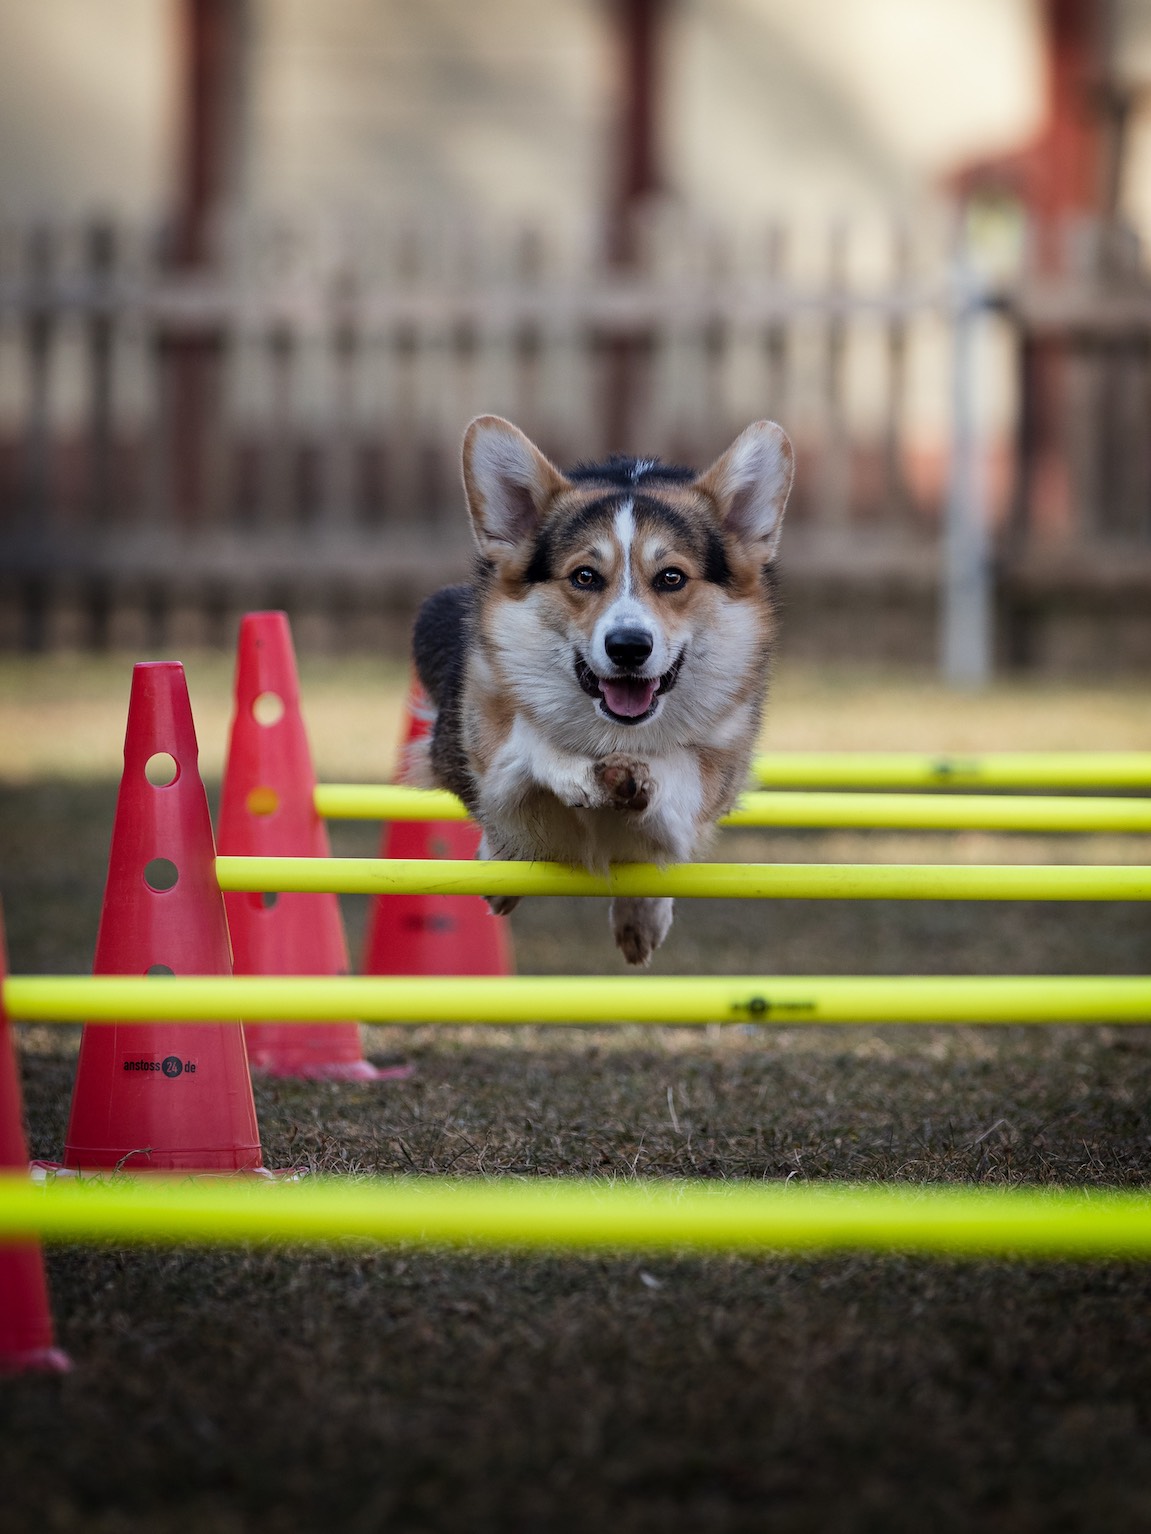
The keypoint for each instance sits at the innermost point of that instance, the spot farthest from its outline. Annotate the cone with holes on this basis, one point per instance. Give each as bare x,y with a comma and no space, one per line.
162,1096
432,934
27,1341
267,809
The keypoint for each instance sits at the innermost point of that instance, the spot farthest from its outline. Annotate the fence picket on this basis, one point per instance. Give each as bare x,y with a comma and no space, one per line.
293,420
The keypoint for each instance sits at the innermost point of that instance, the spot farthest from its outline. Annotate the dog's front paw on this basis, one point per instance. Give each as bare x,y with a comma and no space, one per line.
626,783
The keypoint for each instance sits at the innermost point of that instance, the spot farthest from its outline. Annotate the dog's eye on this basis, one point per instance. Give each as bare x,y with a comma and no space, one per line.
670,579
586,578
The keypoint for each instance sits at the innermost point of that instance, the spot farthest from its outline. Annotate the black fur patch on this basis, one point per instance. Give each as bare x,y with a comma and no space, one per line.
715,566
630,473
704,542
540,565
440,640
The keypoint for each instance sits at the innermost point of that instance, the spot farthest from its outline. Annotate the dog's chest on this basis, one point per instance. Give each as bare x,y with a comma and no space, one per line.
540,826
538,800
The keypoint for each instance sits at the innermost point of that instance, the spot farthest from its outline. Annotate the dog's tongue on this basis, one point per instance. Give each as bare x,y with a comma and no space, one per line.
629,696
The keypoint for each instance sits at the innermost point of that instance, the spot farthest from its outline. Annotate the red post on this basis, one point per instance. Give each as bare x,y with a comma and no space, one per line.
212,45
212,42
639,30
636,176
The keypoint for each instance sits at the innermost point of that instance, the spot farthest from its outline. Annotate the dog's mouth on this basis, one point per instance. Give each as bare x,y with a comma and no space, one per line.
627,699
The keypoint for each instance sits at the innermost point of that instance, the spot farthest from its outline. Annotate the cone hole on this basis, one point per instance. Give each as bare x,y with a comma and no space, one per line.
159,969
267,708
262,801
161,874
161,768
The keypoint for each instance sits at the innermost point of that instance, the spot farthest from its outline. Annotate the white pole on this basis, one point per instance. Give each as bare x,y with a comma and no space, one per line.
966,596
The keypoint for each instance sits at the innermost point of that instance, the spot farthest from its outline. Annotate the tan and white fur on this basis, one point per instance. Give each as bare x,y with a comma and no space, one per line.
599,687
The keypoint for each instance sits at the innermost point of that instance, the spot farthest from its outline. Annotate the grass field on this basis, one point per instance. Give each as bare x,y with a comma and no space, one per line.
239,1391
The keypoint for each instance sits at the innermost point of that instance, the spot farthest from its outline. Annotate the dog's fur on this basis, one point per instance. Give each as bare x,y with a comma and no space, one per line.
598,688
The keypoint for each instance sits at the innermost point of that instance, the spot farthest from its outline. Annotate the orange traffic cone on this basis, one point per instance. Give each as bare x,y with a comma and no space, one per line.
26,1337
267,809
433,934
162,1095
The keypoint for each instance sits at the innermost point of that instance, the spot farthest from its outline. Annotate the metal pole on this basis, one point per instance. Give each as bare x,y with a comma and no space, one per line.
791,807
529,1000
731,881
966,636
587,1214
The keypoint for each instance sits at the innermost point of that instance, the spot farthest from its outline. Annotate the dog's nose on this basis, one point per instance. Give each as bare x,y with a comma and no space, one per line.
628,648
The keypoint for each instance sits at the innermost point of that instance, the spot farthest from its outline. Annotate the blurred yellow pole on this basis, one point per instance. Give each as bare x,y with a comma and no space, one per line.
744,881
911,812
584,1215
679,1000
998,769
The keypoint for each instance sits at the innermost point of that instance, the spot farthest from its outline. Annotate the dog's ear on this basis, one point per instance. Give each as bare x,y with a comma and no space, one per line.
749,486
508,482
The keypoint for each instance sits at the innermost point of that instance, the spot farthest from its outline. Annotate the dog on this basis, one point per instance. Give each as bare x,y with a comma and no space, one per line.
598,688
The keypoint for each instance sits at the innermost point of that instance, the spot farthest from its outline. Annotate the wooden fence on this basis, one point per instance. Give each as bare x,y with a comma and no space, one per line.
1074,553
285,431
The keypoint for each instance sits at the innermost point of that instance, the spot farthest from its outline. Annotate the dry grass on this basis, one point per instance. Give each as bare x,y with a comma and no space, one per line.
247,1391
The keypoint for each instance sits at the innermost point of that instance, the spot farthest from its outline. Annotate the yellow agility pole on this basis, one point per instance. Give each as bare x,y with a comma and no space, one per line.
385,801
997,769
680,1000
569,1215
932,812
675,1000
741,881
912,812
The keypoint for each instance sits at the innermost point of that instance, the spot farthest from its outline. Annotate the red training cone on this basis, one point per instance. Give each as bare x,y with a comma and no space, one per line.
26,1337
267,809
433,934
162,1095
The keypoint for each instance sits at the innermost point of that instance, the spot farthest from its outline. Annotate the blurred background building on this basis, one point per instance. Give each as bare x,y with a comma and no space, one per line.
261,260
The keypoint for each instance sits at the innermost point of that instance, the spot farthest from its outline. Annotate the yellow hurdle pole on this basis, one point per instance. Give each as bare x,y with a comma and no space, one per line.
740,881
998,769
386,801
911,812
787,1000
584,1216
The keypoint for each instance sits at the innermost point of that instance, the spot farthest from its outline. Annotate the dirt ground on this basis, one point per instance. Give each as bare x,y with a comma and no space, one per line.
307,1390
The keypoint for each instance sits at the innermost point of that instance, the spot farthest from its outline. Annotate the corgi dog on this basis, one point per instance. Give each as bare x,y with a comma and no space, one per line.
599,686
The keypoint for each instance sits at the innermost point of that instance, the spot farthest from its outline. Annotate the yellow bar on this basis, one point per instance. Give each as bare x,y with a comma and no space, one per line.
385,801
552,1214
934,812
998,769
742,881
678,1000
927,812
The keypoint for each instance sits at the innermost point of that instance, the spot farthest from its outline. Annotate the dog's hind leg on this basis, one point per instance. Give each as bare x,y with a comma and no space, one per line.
640,924
498,905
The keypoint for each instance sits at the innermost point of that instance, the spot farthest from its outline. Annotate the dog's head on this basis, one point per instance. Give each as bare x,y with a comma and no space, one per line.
628,583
